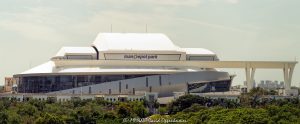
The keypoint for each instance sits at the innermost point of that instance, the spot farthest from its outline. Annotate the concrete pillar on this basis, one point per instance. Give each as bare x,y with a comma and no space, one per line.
250,71
248,83
285,77
291,71
287,73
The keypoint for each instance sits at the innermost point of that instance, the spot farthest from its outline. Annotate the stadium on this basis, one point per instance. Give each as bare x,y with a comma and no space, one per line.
101,68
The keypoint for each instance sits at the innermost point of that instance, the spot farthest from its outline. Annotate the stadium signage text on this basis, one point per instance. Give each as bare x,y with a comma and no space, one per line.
140,56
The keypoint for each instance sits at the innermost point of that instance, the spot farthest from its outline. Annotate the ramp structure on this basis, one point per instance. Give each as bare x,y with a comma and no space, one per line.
249,66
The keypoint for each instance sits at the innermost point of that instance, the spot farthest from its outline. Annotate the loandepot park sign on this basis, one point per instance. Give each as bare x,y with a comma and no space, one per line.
138,56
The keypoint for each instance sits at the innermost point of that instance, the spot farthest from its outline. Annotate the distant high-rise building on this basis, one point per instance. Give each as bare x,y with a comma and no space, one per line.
254,83
270,85
281,85
9,83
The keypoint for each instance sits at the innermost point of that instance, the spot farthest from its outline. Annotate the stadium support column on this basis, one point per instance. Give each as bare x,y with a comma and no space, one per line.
288,73
250,71
75,81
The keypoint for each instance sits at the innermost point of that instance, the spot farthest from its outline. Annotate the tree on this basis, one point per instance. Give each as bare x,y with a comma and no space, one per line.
139,109
162,110
40,105
272,92
283,114
3,117
27,109
13,118
49,119
253,97
184,102
124,110
86,115
4,103
195,108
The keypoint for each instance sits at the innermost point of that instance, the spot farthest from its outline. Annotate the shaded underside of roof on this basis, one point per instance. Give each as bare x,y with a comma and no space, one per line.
49,68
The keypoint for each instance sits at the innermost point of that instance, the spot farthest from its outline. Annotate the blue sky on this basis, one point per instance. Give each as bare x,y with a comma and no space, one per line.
31,31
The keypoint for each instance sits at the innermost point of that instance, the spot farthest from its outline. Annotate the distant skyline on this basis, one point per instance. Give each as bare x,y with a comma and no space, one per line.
32,31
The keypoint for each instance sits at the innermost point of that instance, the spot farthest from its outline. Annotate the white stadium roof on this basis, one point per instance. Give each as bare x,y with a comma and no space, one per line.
144,43
75,50
134,42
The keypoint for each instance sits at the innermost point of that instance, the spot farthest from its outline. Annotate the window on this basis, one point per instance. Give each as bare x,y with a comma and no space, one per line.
126,86
146,81
159,79
120,87
66,79
82,79
133,90
110,78
98,79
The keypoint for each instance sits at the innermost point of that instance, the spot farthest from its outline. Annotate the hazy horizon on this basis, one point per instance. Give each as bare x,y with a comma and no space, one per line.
32,31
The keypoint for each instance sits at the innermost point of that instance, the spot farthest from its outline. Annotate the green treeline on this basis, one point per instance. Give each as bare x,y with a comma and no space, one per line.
193,109
252,108
71,112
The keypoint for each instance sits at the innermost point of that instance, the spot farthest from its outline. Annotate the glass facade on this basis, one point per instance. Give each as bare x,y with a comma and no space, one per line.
44,84
216,86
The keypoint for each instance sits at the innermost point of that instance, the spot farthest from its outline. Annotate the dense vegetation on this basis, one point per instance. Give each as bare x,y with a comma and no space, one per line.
252,108
74,112
228,112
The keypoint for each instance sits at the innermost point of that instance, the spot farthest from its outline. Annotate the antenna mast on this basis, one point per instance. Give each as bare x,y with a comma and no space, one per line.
110,28
146,28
